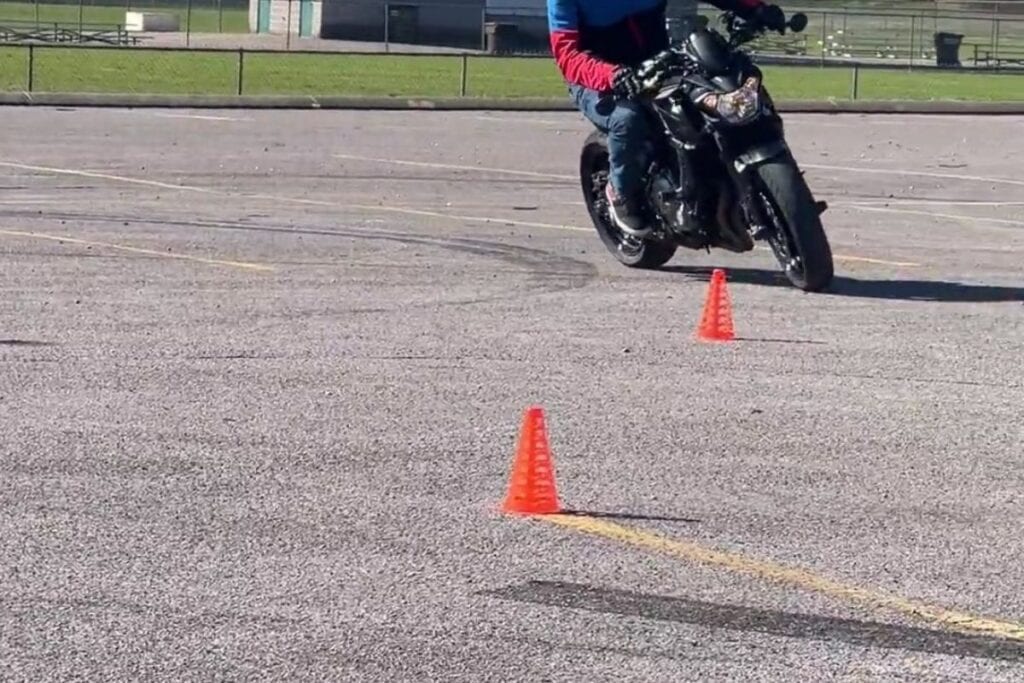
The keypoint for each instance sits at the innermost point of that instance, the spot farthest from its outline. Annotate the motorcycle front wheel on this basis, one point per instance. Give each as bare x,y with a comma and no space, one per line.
593,177
799,241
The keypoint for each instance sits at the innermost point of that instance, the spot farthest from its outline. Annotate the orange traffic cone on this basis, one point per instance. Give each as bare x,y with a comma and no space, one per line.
532,489
716,321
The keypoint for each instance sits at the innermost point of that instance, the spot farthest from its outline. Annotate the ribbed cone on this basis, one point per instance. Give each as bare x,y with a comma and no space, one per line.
716,320
532,487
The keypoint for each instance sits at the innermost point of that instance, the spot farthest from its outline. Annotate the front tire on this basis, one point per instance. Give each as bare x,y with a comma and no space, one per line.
627,250
800,243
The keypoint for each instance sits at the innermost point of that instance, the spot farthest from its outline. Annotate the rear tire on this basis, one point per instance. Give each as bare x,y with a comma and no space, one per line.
627,250
802,237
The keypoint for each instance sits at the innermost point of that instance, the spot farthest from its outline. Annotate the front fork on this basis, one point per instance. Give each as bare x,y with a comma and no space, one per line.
758,224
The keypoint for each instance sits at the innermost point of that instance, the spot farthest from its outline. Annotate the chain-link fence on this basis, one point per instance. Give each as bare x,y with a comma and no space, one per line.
981,33
944,37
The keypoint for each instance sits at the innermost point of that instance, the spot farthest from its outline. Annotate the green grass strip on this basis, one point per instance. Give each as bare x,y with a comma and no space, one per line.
106,70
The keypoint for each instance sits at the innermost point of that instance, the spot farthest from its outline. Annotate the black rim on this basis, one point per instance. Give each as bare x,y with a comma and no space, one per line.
784,246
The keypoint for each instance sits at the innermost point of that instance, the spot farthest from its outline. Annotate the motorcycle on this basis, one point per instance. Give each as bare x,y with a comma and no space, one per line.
719,171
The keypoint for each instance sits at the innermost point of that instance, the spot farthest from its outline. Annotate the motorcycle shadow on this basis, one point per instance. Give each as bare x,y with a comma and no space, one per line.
906,290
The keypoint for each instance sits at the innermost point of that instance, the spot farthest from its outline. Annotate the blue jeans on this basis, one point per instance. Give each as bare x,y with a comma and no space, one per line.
626,128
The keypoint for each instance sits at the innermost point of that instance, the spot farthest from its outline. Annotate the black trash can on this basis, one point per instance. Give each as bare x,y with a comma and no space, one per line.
947,48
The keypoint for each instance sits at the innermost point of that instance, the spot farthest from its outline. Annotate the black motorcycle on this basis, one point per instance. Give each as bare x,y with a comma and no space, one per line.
719,171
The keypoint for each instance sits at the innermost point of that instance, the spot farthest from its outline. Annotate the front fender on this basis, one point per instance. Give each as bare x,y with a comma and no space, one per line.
759,153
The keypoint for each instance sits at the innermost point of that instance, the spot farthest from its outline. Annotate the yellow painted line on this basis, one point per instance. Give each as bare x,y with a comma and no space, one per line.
381,208
878,261
799,578
138,250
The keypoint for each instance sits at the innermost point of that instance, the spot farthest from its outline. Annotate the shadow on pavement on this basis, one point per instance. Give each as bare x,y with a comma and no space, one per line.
909,290
740,618
629,515
23,342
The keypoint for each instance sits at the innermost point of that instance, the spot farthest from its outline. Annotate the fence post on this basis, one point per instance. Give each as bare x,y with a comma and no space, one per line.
288,29
824,35
992,32
855,82
465,68
913,31
995,47
31,65
483,28
241,62
387,27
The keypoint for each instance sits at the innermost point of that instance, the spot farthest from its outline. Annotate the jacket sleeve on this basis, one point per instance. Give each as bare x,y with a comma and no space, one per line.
577,67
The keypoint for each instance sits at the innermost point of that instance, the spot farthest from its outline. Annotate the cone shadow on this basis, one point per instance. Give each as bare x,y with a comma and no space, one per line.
765,340
24,342
854,632
629,516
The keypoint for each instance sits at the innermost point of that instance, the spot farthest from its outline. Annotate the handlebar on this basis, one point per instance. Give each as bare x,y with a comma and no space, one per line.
742,30
739,31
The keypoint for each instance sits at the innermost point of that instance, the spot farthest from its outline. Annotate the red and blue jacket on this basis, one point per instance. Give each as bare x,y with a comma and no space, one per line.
591,38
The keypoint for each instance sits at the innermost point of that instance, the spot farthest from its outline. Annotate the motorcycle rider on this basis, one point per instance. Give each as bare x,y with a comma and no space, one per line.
597,44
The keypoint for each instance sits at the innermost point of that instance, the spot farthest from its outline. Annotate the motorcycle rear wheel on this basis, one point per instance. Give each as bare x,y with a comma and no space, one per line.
626,249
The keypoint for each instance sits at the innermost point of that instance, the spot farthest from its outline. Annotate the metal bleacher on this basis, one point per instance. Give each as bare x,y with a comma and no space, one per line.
21,31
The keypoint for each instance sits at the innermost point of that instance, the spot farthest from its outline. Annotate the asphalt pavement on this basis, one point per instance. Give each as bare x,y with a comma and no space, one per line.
262,375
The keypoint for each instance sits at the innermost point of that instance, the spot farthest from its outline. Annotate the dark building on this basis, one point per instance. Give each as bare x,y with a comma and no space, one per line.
495,25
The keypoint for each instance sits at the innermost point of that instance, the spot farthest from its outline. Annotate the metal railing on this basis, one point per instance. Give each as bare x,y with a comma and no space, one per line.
173,71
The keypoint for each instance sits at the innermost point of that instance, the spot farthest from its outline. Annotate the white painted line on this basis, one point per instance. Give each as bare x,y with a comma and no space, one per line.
366,207
923,174
198,117
1017,225
19,202
522,119
456,167
176,115
138,250
279,198
106,176
924,202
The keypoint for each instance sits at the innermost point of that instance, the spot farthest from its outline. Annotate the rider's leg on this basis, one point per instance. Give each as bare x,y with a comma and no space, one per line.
626,128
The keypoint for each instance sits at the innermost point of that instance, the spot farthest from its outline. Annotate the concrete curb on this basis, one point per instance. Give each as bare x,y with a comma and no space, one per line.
463,103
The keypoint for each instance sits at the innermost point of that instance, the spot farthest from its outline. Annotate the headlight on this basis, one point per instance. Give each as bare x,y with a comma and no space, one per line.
740,105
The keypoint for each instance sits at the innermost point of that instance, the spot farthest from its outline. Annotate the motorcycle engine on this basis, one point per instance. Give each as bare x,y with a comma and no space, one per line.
662,187
672,210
